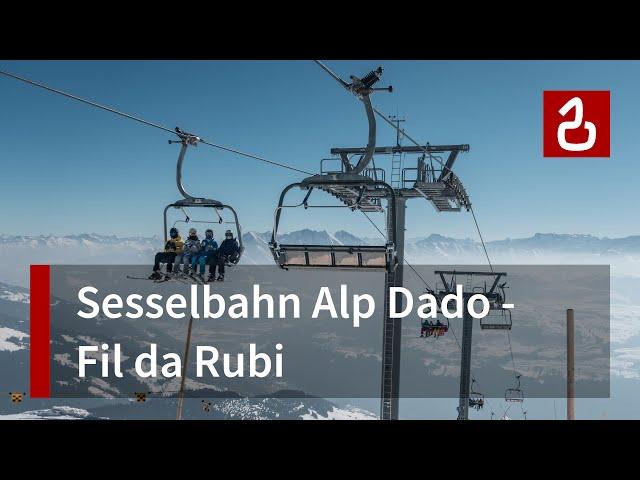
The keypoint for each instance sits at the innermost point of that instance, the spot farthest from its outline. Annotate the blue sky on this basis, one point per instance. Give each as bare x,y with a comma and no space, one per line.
68,168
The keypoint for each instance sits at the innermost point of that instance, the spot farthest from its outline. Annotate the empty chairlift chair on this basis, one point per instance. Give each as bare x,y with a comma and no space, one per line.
498,317
514,394
497,320
351,190
355,187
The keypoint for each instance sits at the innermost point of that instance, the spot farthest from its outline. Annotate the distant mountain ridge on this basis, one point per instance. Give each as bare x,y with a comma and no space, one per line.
434,243
18,251
548,240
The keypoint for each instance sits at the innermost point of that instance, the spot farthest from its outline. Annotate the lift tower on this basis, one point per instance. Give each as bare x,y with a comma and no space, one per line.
360,187
426,180
493,291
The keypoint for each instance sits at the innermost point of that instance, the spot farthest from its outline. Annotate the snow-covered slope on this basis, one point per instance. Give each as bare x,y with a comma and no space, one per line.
53,413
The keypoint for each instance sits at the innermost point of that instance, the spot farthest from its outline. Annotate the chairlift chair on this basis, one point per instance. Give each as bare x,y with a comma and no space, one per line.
514,394
348,257
476,399
357,188
216,219
190,202
499,321
433,329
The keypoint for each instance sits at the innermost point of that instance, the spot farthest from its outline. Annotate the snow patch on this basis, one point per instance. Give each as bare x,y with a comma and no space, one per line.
18,297
54,413
350,413
9,333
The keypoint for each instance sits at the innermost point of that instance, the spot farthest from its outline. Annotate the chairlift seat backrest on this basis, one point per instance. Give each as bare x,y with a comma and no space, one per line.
514,395
208,204
364,257
355,191
501,321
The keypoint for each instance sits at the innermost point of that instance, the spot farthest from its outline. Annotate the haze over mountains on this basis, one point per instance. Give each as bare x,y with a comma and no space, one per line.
17,251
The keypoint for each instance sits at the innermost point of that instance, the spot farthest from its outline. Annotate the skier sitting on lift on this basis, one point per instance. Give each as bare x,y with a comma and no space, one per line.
172,248
191,248
426,329
228,251
439,329
209,250
432,329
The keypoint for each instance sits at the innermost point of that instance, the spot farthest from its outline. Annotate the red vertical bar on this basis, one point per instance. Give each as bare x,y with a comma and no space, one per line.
39,332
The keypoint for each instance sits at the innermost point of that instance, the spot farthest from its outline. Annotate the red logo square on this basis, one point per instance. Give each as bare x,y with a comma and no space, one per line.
576,123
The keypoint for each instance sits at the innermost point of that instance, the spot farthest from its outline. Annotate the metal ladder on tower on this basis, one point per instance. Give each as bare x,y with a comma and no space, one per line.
396,158
387,354
396,170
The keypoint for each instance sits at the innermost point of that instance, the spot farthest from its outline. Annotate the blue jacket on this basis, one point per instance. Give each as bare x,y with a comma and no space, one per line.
229,247
209,246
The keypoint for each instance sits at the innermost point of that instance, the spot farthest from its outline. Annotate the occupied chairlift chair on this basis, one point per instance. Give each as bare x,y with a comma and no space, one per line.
435,329
189,201
357,188
476,399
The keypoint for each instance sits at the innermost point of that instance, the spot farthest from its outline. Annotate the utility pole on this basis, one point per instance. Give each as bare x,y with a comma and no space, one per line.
392,327
571,414
187,346
397,121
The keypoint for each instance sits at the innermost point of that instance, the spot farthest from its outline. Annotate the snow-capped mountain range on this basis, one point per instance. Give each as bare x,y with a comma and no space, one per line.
95,245
18,251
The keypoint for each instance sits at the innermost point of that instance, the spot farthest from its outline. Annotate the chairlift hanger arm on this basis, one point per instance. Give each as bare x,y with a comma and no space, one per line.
371,142
362,88
186,140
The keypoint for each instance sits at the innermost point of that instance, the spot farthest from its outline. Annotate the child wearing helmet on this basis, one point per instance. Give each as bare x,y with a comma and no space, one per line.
228,251
208,249
173,247
191,248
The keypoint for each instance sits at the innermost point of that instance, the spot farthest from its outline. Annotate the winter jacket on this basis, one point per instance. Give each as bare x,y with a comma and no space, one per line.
191,246
209,246
174,245
229,247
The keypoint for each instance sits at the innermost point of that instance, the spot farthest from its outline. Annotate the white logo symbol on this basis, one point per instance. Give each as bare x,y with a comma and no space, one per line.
576,103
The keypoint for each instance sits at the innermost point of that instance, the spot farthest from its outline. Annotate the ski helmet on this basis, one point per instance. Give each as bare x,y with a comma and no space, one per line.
209,233
193,231
228,234
173,233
